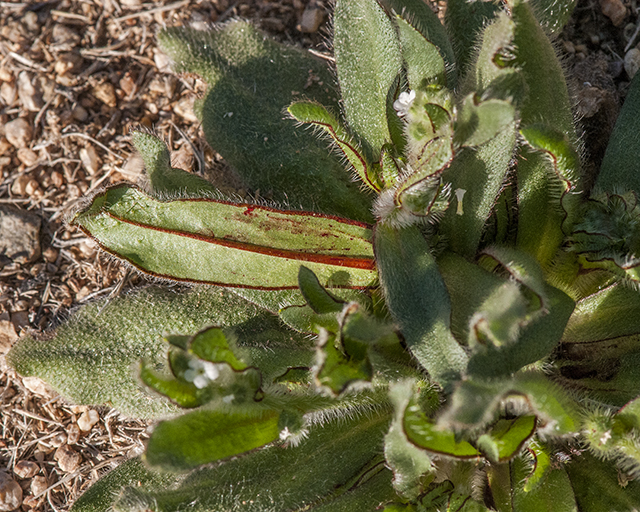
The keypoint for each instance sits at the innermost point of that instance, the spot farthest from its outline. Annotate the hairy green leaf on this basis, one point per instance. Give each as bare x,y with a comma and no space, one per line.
205,436
251,81
228,244
164,179
368,60
407,269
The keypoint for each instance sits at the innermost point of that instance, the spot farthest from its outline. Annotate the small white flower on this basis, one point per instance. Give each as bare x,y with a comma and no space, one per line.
605,437
201,373
285,434
460,192
404,102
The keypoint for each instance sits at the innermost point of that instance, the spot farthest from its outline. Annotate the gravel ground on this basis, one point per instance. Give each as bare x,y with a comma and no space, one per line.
75,77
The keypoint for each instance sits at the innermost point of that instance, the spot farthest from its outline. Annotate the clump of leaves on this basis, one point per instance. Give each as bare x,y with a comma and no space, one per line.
457,332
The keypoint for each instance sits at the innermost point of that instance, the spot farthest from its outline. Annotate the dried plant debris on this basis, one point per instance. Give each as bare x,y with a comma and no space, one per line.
75,77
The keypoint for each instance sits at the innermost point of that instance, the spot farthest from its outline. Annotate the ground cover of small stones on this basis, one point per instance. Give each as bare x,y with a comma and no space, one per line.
75,77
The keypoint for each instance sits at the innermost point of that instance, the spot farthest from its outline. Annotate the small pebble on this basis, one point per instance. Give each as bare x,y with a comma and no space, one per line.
614,10
19,234
58,440
8,336
20,319
90,160
27,156
36,386
26,469
18,132
80,113
10,493
184,108
5,75
8,93
50,254
32,188
88,419
67,62
312,18
19,185
163,62
30,20
30,96
64,36
632,62
38,484
106,93
68,459
57,179
73,433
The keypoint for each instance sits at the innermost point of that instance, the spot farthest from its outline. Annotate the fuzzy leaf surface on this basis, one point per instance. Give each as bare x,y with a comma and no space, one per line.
251,81
368,60
101,496
228,244
421,18
204,436
92,357
620,169
406,270
332,462
409,463
164,179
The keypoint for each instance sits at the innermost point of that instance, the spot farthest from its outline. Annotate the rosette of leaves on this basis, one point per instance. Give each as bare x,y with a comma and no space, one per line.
458,331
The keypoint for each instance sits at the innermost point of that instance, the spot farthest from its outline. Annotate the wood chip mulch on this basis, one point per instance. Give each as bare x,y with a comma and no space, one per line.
77,76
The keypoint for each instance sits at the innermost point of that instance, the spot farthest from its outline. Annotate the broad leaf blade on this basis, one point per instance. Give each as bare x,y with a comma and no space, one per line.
407,269
324,472
92,358
205,436
101,496
228,244
368,60
620,169
252,80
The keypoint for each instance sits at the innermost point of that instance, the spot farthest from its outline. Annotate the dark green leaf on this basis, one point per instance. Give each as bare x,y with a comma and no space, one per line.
554,493
420,16
620,169
406,270
598,488
330,462
101,496
252,79
422,59
91,359
317,115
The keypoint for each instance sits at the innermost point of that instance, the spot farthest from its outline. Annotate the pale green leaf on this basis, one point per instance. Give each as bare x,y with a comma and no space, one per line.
164,179
204,436
228,244
368,60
